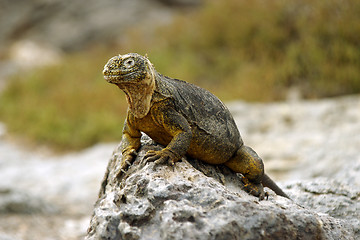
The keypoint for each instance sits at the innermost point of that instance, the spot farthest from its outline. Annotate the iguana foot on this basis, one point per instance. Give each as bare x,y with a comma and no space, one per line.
161,157
255,189
127,159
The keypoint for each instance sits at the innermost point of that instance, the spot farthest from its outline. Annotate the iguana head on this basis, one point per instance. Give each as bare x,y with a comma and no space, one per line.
135,75
127,68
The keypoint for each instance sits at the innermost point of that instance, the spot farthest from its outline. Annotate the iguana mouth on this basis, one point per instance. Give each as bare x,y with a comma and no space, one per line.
118,77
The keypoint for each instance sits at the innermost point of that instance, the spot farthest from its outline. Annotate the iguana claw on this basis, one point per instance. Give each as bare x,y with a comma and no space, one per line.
128,158
161,157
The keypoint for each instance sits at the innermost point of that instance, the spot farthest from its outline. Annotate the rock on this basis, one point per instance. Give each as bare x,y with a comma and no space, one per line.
18,202
68,181
194,200
4,236
329,196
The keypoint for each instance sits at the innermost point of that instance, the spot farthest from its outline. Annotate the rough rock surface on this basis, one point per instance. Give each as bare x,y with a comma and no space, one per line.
329,196
194,200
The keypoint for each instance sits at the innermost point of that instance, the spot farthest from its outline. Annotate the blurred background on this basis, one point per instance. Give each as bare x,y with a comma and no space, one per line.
52,54
54,101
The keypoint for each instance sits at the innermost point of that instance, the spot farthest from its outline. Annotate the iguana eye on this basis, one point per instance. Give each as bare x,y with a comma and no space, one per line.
129,63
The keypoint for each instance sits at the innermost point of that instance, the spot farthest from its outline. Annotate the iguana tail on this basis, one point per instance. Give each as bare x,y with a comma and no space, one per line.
268,182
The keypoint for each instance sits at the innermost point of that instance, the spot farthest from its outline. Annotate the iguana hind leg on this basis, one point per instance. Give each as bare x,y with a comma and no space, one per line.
248,163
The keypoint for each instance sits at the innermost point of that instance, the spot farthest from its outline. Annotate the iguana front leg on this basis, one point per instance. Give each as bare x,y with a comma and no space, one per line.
130,143
179,129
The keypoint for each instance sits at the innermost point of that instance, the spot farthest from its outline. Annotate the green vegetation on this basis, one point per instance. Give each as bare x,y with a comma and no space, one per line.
255,50
68,106
238,49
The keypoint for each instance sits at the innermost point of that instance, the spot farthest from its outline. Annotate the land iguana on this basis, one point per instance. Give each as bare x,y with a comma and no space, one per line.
183,117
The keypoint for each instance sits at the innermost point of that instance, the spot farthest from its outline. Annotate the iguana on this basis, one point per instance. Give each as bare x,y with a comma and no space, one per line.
183,117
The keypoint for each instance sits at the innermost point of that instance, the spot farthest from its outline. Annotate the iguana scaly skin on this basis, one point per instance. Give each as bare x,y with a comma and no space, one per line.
183,117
